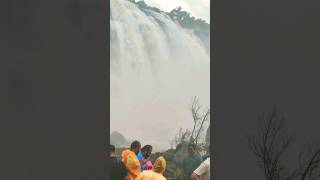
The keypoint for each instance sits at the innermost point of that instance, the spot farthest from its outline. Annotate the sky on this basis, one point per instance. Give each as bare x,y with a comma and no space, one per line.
197,8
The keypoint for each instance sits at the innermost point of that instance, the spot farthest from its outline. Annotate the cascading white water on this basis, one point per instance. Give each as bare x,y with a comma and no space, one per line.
156,69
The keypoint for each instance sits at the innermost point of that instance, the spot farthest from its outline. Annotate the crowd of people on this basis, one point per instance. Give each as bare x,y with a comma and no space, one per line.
135,164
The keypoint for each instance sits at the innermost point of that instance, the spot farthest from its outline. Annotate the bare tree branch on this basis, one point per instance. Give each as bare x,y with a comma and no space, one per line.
311,166
195,108
270,146
203,120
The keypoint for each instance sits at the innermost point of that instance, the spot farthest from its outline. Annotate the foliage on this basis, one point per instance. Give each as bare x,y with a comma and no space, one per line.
188,21
143,6
182,17
199,27
174,171
182,137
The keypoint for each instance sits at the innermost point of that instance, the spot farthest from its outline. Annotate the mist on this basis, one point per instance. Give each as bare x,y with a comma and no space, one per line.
157,67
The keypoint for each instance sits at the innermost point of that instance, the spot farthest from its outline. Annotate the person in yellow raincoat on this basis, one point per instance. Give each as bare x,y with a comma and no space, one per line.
130,159
157,171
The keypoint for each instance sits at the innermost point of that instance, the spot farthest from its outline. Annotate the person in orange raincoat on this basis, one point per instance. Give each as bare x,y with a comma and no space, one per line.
157,171
130,159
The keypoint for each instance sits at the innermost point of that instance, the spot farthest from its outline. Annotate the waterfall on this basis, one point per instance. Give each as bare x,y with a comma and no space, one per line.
156,68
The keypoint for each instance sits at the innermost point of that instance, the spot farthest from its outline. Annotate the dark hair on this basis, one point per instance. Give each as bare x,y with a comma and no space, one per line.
135,145
146,148
192,145
112,148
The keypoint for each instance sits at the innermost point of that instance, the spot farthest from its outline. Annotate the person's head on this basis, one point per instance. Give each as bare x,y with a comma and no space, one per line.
135,146
112,150
191,149
146,151
159,165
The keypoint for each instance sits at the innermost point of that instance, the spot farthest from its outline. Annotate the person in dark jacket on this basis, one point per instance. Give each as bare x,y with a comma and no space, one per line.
118,170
